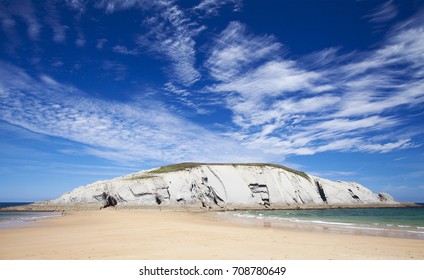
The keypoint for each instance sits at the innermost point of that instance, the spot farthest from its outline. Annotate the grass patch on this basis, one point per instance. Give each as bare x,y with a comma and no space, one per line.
140,177
297,172
184,165
175,167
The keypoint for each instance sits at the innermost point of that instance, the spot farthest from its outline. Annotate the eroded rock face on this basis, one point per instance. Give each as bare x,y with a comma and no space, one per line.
106,199
220,186
385,197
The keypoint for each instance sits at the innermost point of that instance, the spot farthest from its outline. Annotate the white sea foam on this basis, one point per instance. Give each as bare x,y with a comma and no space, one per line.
12,221
368,228
331,223
415,231
356,227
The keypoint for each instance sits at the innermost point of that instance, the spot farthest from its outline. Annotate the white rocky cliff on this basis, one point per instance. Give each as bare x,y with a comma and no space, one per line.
221,186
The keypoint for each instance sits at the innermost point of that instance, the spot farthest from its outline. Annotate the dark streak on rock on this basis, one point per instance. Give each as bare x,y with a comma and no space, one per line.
354,196
262,190
321,191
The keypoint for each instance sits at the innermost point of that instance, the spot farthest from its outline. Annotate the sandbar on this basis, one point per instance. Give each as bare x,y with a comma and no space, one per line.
170,235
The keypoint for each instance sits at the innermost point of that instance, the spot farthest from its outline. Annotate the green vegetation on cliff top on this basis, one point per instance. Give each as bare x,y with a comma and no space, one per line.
188,165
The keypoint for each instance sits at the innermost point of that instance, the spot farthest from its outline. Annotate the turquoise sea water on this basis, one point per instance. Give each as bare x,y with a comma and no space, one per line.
391,222
21,219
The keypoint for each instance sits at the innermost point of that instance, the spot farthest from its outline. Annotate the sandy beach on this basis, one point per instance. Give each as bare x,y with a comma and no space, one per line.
141,234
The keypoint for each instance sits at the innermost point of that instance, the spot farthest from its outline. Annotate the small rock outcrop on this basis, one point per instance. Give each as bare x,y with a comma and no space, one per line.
385,197
220,186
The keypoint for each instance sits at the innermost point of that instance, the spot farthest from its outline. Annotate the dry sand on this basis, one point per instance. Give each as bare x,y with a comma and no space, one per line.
137,234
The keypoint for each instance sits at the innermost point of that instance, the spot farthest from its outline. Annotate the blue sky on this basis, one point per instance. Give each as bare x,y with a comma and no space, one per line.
91,90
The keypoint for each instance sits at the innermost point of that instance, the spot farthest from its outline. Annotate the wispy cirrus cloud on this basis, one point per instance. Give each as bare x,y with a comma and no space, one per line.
383,12
24,10
273,78
118,70
53,19
77,5
325,101
124,132
280,104
112,6
169,34
211,7
124,50
170,87
236,51
30,12
180,99
251,69
100,43
80,41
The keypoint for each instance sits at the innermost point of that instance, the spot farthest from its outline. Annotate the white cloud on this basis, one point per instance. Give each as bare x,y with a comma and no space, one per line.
170,33
280,104
327,135
134,132
211,7
53,19
346,103
80,41
383,12
307,105
235,50
182,101
343,125
25,11
271,79
49,81
401,158
116,69
7,22
8,27
76,5
101,42
56,63
387,147
112,6
123,50
174,89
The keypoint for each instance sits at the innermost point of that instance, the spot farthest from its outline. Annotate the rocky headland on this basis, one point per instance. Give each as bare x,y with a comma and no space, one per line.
217,187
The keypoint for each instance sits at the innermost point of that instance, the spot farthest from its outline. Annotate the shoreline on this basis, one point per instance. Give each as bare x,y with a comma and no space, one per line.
321,226
22,221
235,217
150,234
47,206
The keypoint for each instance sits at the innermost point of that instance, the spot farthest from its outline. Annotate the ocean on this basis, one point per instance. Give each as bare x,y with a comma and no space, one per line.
389,222
21,219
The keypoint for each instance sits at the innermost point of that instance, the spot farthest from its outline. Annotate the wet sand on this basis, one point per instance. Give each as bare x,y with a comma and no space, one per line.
143,234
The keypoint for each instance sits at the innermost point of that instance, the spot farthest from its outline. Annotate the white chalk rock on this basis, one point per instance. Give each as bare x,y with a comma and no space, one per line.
222,186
